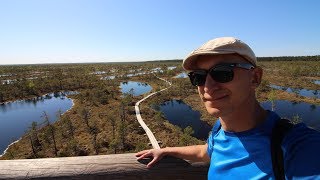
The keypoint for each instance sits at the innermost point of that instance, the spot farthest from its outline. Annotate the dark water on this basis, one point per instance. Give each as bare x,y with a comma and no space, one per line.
16,117
301,92
138,88
309,113
180,114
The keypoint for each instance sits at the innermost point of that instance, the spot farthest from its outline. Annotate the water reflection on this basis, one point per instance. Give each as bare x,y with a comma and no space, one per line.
5,75
8,81
135,74
17,116
301,92
317,81
98,72
181,75
172,67
308,113
156,70
126,75
135,88
108,77
182,115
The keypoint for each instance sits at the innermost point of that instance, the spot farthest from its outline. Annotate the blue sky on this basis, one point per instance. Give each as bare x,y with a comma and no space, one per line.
62,31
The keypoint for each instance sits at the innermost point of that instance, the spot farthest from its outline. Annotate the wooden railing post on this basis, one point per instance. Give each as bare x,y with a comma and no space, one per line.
119,166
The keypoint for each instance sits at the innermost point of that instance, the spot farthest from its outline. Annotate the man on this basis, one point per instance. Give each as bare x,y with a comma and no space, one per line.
226,74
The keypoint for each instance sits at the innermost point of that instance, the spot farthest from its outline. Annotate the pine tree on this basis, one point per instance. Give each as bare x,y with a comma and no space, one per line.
50,131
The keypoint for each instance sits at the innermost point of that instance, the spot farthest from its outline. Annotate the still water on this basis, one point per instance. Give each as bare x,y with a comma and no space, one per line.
172,67
108,77
308,113
136,88
301,92
16,117
182,115
181,75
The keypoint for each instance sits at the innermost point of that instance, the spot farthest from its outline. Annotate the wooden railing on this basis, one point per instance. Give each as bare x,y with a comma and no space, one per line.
118,166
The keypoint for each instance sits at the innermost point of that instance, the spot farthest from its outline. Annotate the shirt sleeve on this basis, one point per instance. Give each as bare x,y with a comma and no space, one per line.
210,140
210,145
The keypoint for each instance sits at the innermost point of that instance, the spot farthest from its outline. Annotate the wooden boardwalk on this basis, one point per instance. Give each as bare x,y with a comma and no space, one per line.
149,133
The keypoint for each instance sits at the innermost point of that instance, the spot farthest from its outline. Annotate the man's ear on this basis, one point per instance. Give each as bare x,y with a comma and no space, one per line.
256,76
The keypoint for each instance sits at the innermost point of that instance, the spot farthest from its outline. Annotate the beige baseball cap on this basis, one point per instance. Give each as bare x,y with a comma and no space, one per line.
222,45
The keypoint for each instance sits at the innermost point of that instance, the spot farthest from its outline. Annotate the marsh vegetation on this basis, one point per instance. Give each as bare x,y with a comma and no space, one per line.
102,119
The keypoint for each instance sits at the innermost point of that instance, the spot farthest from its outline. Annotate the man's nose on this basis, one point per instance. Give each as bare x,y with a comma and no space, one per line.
210,84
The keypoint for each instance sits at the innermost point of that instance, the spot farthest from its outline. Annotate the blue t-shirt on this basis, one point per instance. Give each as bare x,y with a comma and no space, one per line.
247,155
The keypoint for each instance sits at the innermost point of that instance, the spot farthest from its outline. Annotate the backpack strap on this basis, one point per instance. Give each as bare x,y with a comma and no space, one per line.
279,131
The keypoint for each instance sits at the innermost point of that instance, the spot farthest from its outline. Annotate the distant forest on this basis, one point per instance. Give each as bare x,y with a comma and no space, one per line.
290,58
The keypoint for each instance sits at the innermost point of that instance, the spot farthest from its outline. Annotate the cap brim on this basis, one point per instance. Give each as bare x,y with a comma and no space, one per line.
189,62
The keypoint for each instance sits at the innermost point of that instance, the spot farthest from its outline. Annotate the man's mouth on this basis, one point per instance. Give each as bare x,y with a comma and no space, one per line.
214,98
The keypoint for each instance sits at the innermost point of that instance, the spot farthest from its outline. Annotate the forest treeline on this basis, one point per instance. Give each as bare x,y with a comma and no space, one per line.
290,58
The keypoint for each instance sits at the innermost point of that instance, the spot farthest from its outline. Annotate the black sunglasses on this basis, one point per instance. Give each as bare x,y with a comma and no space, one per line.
221,73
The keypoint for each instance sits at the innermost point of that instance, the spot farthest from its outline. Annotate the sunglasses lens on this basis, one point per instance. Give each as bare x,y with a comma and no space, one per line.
222,74
197,79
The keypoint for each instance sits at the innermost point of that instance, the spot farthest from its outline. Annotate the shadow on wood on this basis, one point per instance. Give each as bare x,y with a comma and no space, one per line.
118,166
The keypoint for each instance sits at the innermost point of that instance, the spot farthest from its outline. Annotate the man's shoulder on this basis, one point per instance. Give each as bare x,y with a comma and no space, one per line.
301,133
301,146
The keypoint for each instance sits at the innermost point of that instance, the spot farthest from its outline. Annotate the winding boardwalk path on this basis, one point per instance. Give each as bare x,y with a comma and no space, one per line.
150,135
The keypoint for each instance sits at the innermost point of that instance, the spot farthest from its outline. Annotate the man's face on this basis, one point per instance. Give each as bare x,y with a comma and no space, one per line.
221,99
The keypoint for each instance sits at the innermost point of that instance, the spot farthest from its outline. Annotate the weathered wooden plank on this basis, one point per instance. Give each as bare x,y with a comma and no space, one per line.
119,166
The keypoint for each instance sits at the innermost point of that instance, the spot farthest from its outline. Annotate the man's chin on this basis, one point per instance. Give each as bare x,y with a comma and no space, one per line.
214,112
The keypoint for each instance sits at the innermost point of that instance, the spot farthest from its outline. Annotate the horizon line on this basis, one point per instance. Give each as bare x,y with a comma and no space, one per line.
105,62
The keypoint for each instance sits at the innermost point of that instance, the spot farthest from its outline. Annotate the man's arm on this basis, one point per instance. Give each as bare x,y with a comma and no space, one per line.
197,153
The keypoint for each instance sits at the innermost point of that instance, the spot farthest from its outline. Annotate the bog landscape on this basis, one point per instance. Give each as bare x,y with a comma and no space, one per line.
62,110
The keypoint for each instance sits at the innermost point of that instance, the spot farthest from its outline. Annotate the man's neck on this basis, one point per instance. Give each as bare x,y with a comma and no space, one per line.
242,120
